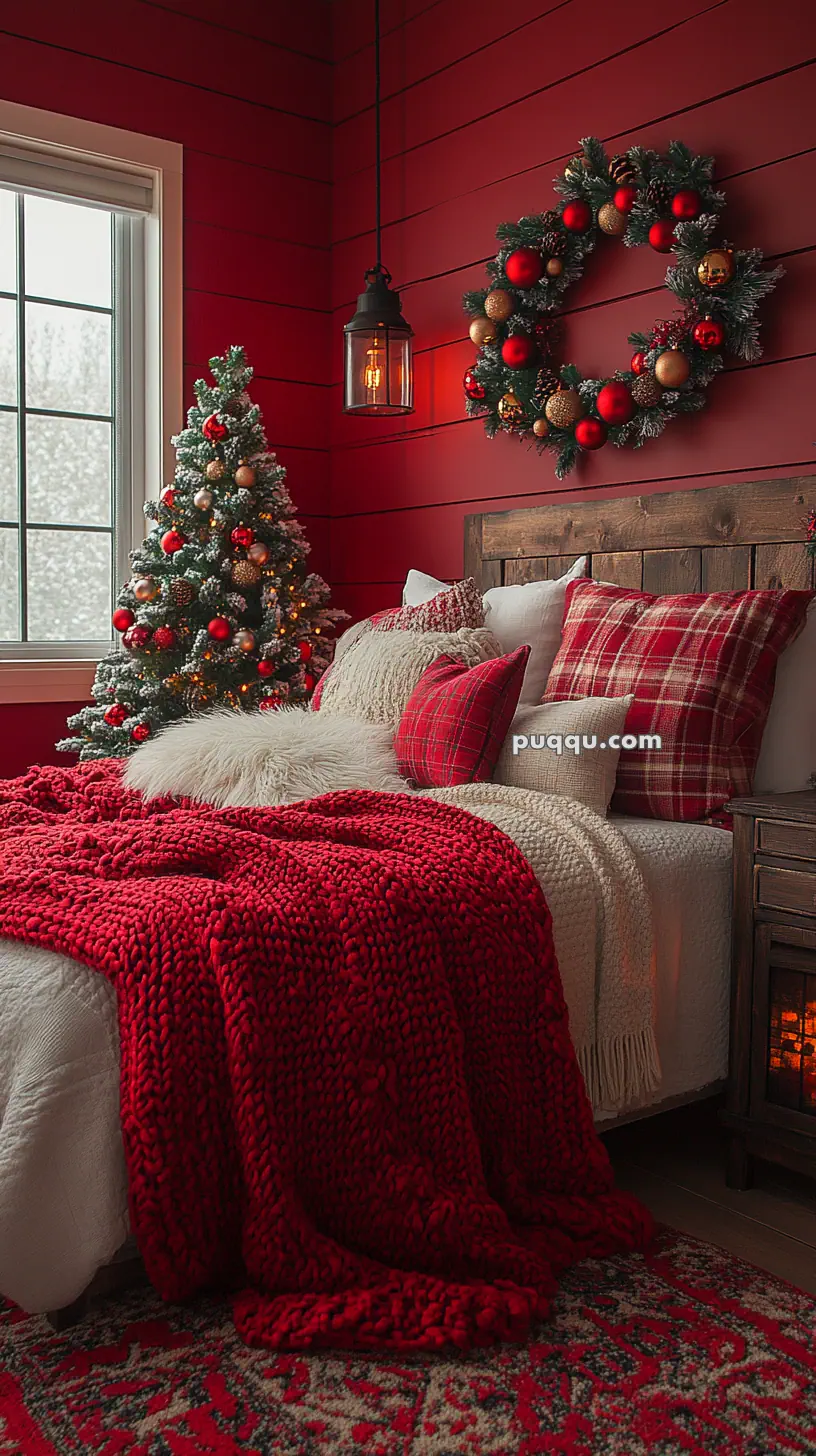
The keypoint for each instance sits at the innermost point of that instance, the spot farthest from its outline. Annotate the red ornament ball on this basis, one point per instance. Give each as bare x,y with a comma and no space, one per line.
219,629
709,334
212,429
625,198
518,351
524,267
137,636
165,639
116,714
122,619
614,403
171,542
265,668
269,705
473,389
638,364
309,681
661,235
140,732
590,433
242,536
305,651
577,217
685,205
168,496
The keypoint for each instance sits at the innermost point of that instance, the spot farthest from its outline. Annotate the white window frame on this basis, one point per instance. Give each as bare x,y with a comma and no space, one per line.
155,388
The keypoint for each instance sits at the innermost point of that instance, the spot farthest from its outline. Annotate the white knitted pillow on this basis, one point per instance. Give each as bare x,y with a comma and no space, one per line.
377,675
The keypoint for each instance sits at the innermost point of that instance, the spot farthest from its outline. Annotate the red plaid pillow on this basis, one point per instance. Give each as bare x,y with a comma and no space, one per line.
459,606
457,718
702,671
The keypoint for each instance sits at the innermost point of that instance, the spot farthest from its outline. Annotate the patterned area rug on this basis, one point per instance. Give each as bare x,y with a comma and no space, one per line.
685,1352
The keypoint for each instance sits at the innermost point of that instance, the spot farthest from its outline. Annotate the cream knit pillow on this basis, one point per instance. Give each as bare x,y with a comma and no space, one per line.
588,776
376,675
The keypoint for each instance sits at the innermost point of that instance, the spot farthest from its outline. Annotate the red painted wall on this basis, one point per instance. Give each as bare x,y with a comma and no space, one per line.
483,105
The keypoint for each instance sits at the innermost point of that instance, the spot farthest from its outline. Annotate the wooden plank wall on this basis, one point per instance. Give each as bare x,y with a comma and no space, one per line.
482,106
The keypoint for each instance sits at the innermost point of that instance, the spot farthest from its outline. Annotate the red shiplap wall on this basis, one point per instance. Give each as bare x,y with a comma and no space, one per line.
484,104
247,91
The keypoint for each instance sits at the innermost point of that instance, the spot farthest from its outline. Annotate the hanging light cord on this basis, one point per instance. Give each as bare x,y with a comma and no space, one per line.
377,123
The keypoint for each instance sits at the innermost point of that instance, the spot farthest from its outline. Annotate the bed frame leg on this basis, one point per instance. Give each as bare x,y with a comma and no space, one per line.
65,1319
739,1171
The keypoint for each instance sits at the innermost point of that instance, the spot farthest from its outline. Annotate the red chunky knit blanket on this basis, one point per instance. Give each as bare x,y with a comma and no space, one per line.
347,1084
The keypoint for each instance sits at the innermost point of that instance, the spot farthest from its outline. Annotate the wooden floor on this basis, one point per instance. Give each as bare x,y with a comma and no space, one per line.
676,1162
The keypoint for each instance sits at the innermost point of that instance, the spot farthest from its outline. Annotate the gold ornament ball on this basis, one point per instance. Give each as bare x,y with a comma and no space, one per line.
553,268
146,589
259,553
611,220
541,428
716,268
646,391
245,477
482,331
498,305
216,470
244,640
203,499
563,408
672,368
510,411
245,573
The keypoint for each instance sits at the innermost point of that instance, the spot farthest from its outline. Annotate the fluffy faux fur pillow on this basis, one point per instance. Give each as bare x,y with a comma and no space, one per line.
379,672
260,759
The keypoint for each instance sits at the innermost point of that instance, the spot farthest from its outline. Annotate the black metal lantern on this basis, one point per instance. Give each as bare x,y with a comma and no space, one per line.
379,372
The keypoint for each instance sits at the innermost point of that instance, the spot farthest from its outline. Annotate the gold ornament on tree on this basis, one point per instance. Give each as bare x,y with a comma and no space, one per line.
563,408
245,477
146,589
716,268
498,305
541,428
216,470
611,220
510,411
646,391
203,499
244,640
245,573
482,331
672,369
259,553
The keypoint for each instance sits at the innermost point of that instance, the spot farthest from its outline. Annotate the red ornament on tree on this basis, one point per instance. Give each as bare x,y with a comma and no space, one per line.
212,429
242,536
122,619
590,433
171,542
685,205
577,217
638,364
137,636
308,681
709,334
614,403
268,705
625,198
140,732
265,667
661,235
219,629
168,497
116,714
473,389
165,639
524,267
518,351
305,651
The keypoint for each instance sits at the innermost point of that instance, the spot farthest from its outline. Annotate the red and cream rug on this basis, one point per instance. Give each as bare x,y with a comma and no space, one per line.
686,1352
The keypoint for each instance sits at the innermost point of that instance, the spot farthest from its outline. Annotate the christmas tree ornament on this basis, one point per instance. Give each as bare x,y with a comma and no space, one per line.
590,433
672,369
116,714
646,391
309,681
245,476
168,497
146,589
171,542
215,470
482,331
259,553
510,411
577,217
219,629
305,651
164,638
716,267
554,268
498,305
614,403
473,388
540,428
242,536
122,619
563,408
611,220
244,640
518,351
265,667
245,574
141,732
203,499
214,429
661,235
269,705
547,382
137,637
621,170
685,204
524,267
709,334
182,592
625,198
638,364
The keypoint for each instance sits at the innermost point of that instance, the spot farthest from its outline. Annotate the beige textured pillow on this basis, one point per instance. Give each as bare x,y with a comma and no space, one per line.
376,675
588,776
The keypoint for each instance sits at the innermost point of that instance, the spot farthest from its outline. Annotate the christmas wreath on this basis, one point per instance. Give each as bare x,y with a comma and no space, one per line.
640,197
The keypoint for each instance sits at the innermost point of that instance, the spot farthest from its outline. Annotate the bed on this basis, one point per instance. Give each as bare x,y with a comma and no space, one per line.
63,1189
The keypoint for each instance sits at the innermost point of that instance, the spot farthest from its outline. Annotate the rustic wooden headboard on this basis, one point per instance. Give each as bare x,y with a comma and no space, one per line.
727,538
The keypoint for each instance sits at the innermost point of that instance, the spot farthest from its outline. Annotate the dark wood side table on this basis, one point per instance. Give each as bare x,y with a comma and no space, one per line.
771,1105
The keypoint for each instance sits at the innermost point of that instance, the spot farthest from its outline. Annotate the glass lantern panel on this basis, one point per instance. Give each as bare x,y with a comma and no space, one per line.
378,378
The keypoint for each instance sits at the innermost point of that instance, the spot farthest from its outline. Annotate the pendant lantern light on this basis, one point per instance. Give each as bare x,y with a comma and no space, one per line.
379,372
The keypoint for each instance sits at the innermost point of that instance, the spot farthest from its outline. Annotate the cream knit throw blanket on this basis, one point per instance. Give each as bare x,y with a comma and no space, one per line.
601,928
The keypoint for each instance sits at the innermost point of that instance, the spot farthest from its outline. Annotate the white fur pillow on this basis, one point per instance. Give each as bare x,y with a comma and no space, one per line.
589,775
260,759
378,673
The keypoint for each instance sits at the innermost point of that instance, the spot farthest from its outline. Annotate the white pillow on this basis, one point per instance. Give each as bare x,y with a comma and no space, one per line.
588,776
787,757
377,675
419,588
261,759
531,613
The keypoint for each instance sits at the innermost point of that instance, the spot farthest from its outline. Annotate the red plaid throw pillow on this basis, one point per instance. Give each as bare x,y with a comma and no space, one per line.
457,718
458,606
702,671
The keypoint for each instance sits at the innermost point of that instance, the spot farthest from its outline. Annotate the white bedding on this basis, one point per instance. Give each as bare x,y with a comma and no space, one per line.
63,1191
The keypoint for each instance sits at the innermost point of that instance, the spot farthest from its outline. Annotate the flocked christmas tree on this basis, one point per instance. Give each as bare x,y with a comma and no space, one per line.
220,608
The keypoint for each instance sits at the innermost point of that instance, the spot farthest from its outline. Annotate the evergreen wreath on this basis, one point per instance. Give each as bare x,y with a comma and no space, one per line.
641,197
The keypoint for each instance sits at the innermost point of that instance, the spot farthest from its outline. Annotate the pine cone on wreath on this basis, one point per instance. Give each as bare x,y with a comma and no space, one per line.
657,194
554,244
621,170
547,382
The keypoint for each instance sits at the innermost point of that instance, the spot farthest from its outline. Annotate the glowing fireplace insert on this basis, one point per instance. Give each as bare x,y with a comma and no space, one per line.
791,1071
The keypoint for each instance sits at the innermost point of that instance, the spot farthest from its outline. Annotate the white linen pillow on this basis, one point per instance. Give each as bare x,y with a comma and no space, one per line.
787,757
420,588
261,759
531,613
588,776
377,675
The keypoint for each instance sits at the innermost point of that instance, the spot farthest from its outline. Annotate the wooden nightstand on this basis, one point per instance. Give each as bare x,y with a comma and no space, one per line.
771,1105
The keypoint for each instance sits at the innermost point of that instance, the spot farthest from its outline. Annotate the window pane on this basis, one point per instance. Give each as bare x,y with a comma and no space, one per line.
8,467
8,241
68,471
9,628
69,586
8,362
67,251
68,359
